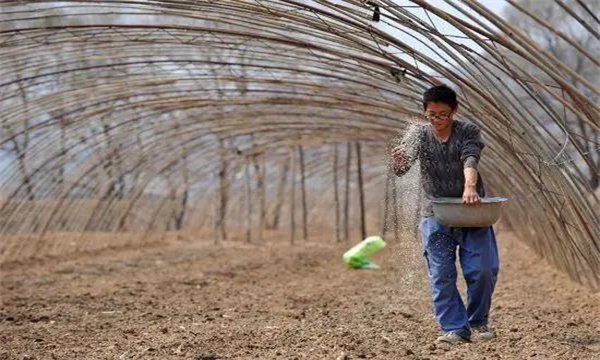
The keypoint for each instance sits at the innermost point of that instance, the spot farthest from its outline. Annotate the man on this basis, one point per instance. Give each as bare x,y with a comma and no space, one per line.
448,152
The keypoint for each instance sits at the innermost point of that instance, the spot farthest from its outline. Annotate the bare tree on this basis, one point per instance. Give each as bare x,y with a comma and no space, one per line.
565,38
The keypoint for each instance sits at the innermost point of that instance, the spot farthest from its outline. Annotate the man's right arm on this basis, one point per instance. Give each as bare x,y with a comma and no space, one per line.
405,155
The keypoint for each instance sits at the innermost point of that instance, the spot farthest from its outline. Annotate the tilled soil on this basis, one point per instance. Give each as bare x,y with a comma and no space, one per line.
189,299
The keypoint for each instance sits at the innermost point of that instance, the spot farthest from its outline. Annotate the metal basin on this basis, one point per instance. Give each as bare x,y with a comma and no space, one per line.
452,212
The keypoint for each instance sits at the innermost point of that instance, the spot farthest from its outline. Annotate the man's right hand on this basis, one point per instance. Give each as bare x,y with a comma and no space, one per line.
399,157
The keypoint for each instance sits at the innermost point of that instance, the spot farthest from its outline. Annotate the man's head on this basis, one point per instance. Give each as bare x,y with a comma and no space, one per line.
439,104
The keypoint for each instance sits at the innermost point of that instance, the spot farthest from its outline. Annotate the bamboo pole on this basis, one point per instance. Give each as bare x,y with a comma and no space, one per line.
303,193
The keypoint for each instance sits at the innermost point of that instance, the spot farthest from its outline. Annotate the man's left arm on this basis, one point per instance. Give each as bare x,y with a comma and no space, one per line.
470,154
470,195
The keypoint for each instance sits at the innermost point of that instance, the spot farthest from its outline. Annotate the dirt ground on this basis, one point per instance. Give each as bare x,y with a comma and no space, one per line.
188,299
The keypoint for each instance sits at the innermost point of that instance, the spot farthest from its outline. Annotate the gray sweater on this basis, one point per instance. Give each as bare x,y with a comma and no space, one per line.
442,163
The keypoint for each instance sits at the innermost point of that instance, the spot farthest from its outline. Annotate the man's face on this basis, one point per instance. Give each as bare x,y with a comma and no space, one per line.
439,115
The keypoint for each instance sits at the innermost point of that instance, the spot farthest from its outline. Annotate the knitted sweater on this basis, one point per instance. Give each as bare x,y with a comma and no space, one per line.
442,163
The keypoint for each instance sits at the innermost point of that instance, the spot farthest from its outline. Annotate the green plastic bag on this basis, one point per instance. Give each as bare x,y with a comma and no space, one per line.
356,257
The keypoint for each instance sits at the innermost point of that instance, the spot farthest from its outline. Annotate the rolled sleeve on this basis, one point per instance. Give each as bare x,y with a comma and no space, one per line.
411,143
471,162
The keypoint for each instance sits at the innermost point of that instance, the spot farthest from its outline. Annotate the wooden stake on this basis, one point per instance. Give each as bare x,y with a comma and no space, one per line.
248,203
361,192
260,186
336,197
293,199
347,193
395,213
303,194
283,179
216,213
386,206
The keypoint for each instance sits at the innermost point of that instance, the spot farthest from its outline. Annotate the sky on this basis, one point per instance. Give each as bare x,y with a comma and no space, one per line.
497,6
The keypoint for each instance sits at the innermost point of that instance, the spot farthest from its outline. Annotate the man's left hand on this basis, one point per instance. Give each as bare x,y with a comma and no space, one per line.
470,196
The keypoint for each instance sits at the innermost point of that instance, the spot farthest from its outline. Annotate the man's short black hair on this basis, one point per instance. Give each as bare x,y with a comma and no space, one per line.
441,94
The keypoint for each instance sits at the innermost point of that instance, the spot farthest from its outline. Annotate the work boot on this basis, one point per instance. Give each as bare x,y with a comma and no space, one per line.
453,337
483,333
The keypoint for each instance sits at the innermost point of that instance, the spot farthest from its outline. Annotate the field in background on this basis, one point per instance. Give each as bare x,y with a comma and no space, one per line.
49,228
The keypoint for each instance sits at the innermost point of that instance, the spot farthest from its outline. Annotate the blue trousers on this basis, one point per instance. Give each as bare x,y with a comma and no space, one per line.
479,261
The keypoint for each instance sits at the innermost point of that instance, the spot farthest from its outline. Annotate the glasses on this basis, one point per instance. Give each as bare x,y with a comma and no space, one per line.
431,116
